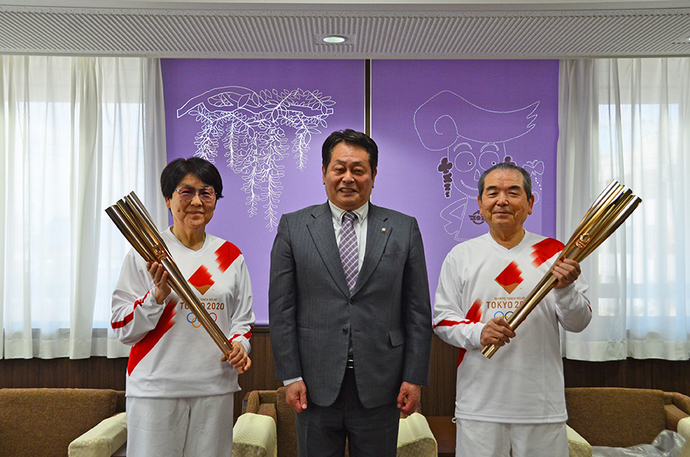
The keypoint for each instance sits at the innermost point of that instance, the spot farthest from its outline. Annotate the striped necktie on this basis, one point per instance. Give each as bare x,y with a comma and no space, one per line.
349,253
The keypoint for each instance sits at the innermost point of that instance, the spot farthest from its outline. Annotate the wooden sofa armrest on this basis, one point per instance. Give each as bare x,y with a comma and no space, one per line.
102,440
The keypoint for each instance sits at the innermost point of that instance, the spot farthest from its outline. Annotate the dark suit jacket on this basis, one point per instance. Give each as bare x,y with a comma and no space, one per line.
312,313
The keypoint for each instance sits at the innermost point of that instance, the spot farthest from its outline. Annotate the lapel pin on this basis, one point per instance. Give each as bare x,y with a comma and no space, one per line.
384,230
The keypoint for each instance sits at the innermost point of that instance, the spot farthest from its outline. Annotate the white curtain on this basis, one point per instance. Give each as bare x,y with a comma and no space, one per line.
76,135
629,120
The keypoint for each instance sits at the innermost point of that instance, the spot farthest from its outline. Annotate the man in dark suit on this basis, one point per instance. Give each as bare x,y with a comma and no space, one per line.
349,309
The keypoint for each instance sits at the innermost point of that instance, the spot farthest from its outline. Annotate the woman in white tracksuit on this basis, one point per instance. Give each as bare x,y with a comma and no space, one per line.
179,387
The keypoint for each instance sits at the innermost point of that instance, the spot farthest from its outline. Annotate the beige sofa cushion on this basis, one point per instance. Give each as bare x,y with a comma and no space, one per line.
415,438
577,446
254,435
102,440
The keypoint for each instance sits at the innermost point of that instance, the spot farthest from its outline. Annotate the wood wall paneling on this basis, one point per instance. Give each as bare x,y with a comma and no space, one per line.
438,399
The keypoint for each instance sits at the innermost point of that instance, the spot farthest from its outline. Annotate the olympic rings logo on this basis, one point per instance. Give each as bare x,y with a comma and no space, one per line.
502,314
191,318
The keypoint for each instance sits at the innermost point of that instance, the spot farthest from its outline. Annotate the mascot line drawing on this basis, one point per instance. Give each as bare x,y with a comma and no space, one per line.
251,127
472,139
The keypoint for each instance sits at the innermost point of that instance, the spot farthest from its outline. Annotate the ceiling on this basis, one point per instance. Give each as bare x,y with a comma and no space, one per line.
375,30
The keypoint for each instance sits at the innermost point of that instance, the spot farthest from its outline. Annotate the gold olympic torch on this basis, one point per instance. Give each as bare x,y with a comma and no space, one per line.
135,223
613,206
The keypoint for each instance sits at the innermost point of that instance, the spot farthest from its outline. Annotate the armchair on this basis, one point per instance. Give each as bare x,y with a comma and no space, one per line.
621,417
43,421
256,435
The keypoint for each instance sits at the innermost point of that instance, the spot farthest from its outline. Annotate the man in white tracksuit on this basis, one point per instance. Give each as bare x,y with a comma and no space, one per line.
514,403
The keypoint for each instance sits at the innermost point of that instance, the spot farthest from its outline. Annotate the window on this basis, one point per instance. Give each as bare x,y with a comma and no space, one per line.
72,144
637,111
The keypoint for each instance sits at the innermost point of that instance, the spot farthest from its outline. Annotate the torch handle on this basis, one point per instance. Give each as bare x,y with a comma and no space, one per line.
538,293
135,223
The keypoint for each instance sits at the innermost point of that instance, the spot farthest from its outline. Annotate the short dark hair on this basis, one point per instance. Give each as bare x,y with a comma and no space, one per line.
176,170
526,180
354,138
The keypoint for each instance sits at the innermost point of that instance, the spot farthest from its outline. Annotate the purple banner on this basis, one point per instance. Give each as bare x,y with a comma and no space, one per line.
440,124
262,122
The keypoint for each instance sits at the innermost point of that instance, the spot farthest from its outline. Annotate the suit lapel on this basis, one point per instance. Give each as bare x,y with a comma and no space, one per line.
322,233
377,237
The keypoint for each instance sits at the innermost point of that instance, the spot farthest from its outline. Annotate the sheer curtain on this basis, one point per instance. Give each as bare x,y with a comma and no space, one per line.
76,134
629,120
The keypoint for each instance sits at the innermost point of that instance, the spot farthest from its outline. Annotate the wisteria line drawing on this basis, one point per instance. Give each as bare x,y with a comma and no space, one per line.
473,139
252,129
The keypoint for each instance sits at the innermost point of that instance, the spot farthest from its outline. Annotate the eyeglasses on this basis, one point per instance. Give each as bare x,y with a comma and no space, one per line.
187,193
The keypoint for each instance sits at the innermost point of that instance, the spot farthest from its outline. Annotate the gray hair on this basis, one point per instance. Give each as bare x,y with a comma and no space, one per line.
526,180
